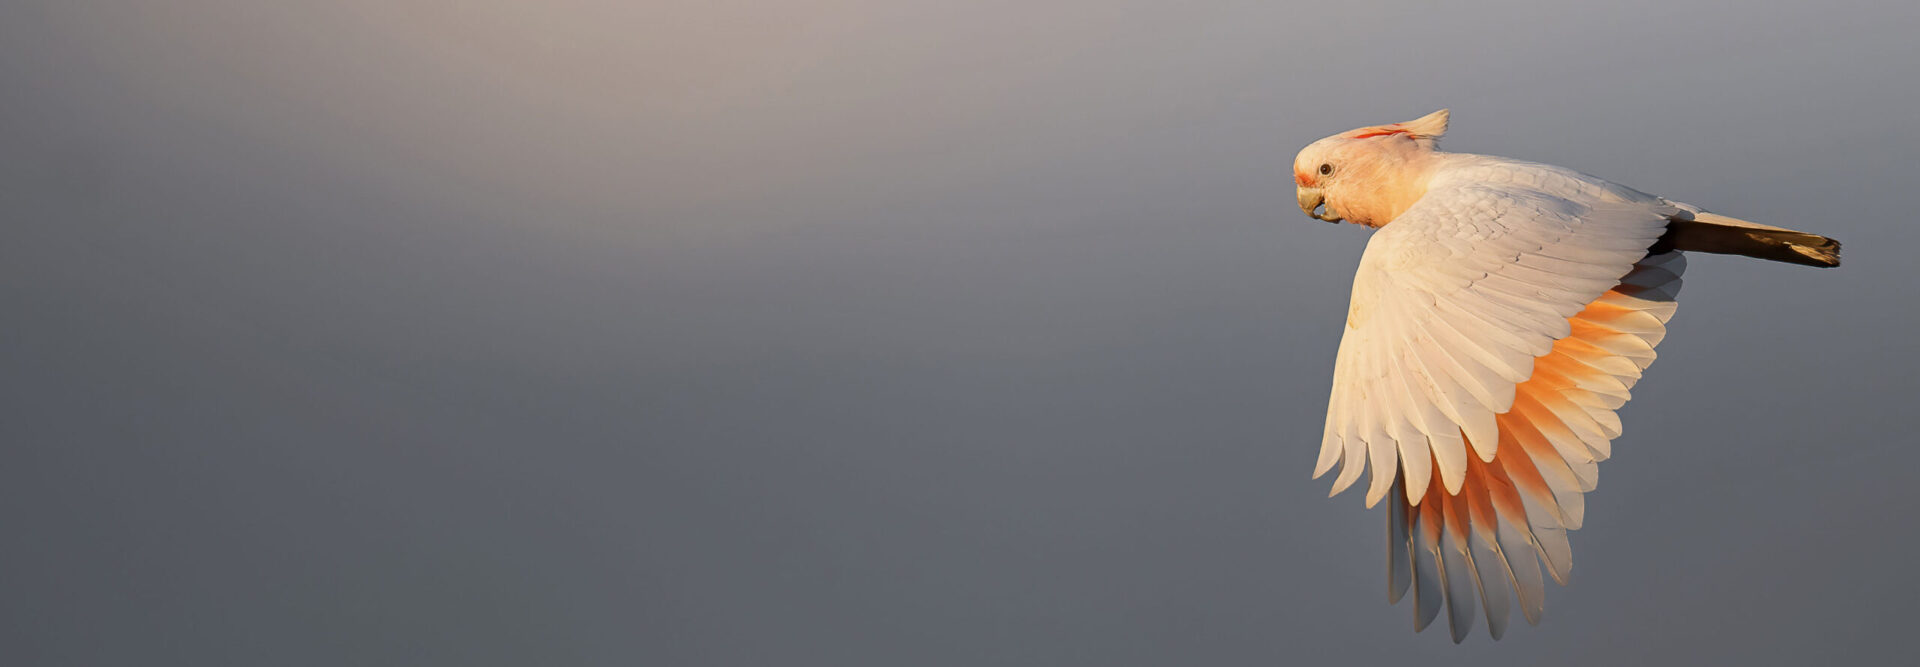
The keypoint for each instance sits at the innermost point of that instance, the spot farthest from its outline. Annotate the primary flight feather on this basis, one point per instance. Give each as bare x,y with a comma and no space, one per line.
1501,313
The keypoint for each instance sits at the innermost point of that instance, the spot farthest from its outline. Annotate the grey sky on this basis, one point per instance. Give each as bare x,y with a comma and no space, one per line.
886,333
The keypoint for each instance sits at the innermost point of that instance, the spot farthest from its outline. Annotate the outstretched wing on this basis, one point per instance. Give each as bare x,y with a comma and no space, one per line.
1493,331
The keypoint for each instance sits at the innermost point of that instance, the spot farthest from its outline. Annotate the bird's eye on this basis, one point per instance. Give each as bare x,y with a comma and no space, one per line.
1326,169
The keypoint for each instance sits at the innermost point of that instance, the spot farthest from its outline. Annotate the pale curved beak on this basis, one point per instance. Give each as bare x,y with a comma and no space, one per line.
1311,200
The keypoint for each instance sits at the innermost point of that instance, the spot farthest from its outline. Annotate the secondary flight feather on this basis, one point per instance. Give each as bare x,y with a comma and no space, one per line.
1501,314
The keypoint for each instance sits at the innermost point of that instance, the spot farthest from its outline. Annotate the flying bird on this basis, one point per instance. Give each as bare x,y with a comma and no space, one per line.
1501,314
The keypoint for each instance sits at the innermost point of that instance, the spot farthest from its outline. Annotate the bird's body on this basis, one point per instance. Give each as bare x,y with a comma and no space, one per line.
1500,315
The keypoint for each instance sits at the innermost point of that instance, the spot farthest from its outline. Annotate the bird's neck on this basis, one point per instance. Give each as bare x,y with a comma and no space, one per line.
1397,183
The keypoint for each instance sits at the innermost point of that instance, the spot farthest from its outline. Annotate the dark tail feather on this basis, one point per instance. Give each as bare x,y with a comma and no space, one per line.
1707,232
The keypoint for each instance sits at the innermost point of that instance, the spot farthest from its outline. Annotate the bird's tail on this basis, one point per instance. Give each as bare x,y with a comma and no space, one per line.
1710,232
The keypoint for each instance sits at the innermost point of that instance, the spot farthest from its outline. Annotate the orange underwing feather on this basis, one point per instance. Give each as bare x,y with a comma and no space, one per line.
1511,513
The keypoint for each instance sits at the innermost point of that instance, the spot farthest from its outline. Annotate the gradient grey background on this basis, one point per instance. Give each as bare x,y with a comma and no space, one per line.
886,333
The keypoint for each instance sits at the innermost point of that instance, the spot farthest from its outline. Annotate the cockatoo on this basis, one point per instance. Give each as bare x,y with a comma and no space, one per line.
1501,312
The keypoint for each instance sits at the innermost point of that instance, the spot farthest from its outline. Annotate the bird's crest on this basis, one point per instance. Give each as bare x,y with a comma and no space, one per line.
1425,129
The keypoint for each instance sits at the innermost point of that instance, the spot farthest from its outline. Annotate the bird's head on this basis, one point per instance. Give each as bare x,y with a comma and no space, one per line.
1367,175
